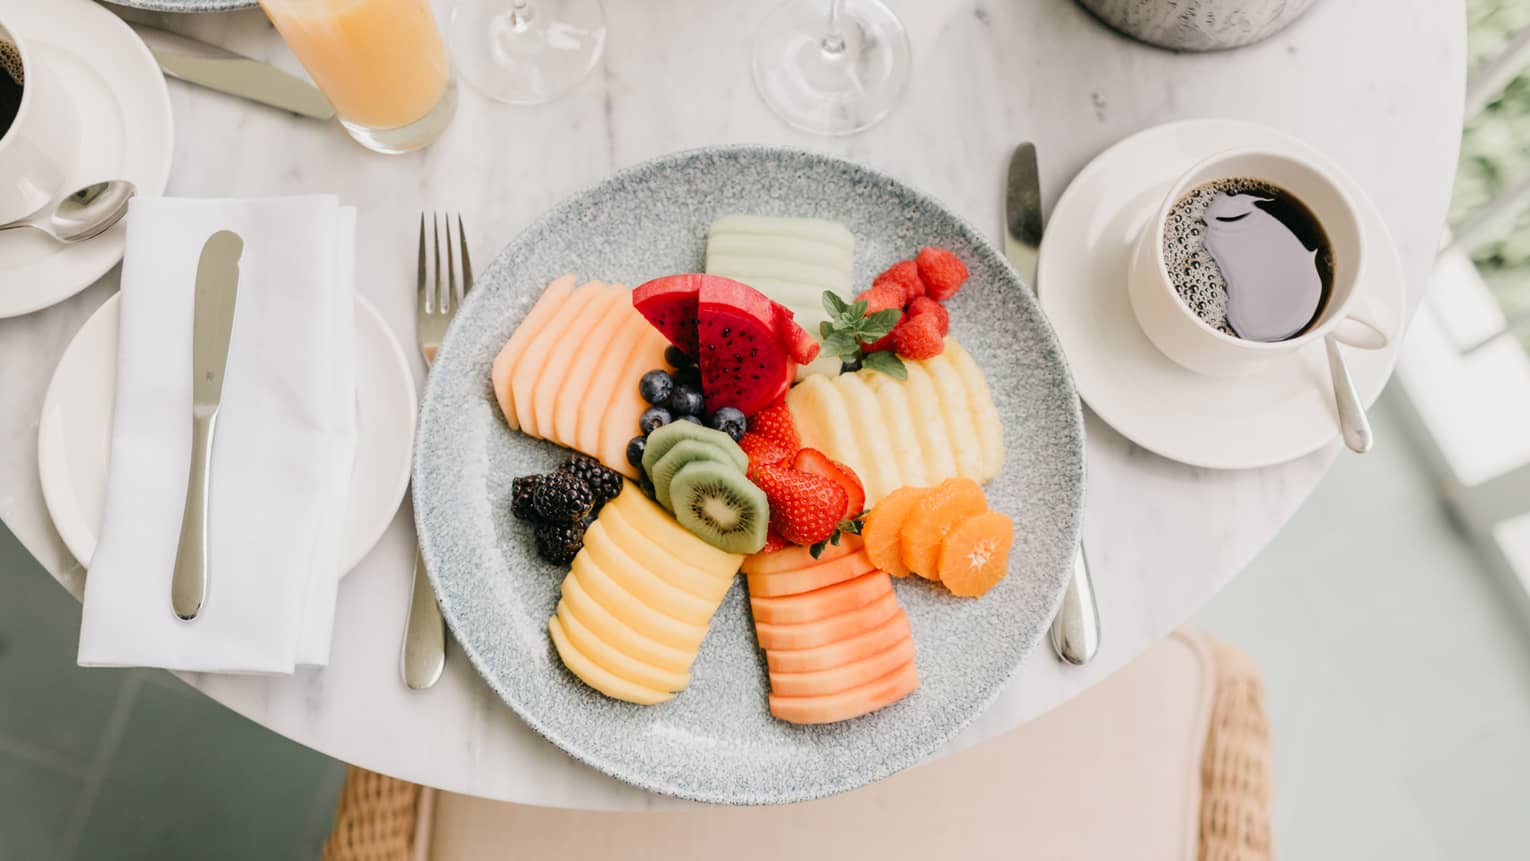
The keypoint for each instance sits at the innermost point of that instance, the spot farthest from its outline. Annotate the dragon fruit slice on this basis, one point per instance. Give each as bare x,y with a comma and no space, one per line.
745,361
669,303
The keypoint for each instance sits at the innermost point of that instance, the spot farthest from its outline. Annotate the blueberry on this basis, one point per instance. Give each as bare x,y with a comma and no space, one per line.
690,376
676,357
686,401
655,387
695,420
653,417
635,448
731,421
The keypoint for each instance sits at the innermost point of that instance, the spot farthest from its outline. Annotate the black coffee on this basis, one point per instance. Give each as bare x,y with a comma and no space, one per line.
1249,258
10,84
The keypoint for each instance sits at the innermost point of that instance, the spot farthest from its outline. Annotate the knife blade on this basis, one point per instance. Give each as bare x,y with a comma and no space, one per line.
1075,633
223,70
212,326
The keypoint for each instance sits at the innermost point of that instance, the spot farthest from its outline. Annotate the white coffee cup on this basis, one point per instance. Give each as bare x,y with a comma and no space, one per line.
39,150
1179,333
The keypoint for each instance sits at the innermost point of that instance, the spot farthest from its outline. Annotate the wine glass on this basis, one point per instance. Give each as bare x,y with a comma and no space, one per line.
833,67
526,52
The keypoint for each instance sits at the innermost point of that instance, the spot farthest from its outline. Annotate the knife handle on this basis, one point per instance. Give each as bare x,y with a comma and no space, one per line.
188,583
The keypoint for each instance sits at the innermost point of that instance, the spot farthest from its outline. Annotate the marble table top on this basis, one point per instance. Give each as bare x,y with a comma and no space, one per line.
1379,90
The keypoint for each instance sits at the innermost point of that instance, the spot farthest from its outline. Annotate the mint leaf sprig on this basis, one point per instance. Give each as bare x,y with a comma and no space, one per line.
849,329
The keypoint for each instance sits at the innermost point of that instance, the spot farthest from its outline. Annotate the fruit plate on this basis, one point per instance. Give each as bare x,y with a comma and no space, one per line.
716,741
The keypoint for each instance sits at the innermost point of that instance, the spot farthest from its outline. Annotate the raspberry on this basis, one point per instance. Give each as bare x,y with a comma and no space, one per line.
925,305
918,337
905,276
941,271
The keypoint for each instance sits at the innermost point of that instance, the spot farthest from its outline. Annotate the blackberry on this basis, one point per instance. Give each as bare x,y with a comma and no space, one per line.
635,448
652,419
561,498
559,543
655,387
521,491
731,421
676,357
604,483
686,401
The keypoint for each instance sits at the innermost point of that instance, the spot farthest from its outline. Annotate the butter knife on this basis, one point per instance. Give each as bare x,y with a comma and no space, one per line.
1076,628
212,324
223,70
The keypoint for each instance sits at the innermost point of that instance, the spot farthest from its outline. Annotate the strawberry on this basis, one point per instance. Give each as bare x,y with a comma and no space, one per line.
918,337
774,541
880,298
925,305
763,450
814,461
775,424
905,276
941,271
804,508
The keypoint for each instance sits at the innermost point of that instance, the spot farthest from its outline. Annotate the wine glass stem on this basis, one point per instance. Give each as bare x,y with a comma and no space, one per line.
834,41
520,15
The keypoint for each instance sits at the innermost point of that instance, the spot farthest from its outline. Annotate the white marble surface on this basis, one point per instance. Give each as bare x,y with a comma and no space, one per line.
1378,86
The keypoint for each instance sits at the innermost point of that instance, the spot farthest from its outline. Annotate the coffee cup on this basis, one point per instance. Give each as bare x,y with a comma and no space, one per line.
1181,333
39,128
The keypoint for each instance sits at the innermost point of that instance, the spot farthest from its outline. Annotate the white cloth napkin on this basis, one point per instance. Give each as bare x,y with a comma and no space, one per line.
282,452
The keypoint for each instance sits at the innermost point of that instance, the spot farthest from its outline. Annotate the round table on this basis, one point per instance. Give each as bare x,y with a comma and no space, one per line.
1379,90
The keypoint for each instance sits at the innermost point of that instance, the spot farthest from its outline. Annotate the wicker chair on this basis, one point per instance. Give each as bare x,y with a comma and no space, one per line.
379,818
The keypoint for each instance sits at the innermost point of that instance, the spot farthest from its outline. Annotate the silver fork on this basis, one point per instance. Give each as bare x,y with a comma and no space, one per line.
425,633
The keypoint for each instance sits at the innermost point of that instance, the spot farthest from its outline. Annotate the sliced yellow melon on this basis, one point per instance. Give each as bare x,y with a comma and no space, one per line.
985,415
546,305
621,635
633,612
657,558
571,393
598,677
893,399
648,518
528,370
614,660
643,584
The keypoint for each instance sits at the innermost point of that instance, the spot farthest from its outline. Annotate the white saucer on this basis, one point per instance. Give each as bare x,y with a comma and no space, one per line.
74,433
125,133
1279,413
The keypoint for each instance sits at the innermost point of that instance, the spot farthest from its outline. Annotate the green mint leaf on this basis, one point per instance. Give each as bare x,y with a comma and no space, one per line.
841,344
825,329
879,324
888,363
833,304
857,309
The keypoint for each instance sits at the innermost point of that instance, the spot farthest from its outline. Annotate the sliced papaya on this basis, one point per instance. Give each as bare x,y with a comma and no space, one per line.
844,705
822,632
843,678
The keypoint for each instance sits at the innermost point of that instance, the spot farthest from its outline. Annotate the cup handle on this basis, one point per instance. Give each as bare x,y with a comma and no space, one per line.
1356,331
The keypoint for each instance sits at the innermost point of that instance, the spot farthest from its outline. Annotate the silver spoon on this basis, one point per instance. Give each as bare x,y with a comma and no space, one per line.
86,213
1353,425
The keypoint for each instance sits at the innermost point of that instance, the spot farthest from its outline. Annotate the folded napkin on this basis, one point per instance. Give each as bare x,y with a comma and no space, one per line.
282,453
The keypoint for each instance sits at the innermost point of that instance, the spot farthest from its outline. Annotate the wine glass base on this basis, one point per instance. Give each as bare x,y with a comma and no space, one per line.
827,86
408,138
526,56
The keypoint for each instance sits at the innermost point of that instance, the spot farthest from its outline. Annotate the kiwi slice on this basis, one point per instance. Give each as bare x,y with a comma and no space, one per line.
680,454
720,506
667,437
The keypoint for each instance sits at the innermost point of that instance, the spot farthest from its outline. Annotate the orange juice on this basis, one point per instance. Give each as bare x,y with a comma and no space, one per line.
381,63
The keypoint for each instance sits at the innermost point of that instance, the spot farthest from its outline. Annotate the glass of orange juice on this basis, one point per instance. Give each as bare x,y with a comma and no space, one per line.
381,63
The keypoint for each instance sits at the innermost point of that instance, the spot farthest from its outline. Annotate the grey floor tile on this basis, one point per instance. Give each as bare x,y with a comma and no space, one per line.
35,806
192,779
49,702
1474,798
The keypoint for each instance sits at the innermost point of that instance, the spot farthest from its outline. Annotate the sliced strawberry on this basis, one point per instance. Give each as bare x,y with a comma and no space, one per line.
804,508
763,450
774,541
816,462
775,423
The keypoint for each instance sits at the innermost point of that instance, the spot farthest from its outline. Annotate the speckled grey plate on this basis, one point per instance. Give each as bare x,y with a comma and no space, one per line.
187,5
716,741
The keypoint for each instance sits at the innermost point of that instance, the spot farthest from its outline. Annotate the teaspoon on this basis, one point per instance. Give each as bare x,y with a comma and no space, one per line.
83,214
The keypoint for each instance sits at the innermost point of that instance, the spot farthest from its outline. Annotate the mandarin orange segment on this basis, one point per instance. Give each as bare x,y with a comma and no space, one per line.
933,517
974,557
882,533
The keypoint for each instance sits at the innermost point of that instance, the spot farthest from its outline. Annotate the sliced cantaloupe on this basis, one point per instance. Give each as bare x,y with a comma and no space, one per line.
616,662
848,704
879,470
657,558
957,410
643,584
553,381
528,369
546,305
619,634
648,518
822,632
808,579
845,678
821,603
625,339
837,654
892,396
634,613
598,677
985,414
619,420
929,426
795,557
572,393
